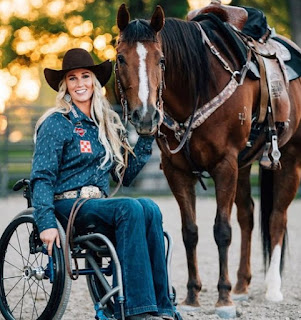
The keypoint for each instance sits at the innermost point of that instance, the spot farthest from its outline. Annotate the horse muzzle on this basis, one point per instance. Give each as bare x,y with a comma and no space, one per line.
146,122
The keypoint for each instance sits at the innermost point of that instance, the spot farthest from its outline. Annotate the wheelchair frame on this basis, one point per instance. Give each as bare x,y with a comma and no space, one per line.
55,272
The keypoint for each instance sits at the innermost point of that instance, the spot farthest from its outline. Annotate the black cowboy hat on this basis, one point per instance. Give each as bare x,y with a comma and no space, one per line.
78,59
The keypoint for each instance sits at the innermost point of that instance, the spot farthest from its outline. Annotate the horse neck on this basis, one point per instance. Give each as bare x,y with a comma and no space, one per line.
193,74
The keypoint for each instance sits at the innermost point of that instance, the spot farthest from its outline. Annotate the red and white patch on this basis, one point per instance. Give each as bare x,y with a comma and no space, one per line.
80,131
85,146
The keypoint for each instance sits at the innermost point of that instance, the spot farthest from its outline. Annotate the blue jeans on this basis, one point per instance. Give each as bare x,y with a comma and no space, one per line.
135,225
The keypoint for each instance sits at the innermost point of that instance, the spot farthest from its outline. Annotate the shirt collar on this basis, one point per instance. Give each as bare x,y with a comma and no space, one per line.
76,115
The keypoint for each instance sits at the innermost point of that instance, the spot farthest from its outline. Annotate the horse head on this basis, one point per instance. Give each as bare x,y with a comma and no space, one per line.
139,70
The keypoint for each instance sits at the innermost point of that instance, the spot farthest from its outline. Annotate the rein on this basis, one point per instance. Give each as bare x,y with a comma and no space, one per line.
74,211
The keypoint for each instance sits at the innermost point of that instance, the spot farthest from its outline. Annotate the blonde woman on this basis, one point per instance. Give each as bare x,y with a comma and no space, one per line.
78,146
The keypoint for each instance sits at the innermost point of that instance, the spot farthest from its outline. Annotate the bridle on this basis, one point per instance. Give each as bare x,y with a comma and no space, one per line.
123,98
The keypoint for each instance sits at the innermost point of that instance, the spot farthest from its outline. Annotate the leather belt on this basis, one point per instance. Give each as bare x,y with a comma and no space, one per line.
85,192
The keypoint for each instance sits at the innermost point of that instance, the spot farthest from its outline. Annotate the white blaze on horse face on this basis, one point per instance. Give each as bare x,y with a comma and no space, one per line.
273,277
143,80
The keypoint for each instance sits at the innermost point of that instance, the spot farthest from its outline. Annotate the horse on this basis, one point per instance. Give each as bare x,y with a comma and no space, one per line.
168,73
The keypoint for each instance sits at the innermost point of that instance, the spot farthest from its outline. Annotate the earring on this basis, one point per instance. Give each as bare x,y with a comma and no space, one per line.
67,97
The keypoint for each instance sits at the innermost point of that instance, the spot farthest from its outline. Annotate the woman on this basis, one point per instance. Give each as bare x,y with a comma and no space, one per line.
78,145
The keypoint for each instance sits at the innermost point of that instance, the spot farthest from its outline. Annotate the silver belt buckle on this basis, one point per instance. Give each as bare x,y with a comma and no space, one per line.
90,192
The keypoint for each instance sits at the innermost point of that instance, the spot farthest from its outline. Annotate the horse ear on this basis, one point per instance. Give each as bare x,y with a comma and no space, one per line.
123,17
158,19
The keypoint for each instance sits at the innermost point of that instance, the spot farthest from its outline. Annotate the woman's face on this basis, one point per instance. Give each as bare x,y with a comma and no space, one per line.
80,85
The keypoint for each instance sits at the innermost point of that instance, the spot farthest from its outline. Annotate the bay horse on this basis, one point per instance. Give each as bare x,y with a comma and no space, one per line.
165,70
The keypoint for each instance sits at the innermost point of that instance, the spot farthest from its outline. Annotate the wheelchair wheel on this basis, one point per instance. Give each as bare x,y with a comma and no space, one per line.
30,286
96,290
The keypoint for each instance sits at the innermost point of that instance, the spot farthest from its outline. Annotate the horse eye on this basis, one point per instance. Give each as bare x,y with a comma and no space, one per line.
120,59
162,61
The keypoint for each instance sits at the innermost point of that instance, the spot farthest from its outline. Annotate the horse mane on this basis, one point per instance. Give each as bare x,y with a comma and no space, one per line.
185,52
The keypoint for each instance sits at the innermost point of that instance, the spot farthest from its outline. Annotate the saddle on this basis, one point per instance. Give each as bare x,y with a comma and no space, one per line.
268,55
269,58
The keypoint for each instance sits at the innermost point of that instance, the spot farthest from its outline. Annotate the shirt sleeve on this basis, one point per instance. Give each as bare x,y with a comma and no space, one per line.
45,166
143,151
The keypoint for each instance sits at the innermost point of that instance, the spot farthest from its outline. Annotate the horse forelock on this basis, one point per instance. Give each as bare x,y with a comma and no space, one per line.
138,30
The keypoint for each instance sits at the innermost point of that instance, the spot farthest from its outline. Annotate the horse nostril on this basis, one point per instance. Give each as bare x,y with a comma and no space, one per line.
135,116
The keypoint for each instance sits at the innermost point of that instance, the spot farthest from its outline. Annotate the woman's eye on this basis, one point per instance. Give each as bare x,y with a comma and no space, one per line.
72,78
86,76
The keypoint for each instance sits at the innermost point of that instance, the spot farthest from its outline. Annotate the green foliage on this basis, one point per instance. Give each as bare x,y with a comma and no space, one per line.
174,8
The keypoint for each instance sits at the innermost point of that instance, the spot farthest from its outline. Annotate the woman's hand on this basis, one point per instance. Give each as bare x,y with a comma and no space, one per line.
48,237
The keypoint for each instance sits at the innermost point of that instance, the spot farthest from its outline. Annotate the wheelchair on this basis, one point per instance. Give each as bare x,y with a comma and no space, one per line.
34,285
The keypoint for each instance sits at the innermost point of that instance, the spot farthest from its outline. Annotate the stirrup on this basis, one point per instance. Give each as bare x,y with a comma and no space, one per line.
275,154
265,161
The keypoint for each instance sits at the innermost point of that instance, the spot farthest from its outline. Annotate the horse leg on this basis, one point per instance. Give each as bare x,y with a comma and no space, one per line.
225,178
182,185
245,209
278,191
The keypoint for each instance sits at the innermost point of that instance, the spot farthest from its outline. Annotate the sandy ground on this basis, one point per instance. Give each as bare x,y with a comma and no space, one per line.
256,307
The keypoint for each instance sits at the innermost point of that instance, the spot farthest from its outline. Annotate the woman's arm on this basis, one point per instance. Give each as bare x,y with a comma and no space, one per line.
45,168
143,151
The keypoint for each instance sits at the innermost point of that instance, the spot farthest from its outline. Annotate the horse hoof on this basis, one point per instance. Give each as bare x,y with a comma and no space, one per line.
226,312
240,296
274,296
187,308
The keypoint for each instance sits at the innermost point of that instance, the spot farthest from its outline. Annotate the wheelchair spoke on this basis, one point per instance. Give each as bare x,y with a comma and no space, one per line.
41,287
22,301
13,265
19,254
45,292
12,277
23,295
14,286
34,299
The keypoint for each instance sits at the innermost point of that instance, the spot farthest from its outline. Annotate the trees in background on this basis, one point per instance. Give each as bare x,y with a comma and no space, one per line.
37,34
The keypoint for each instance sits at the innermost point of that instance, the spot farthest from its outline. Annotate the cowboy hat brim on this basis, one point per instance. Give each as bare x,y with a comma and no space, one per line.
102,72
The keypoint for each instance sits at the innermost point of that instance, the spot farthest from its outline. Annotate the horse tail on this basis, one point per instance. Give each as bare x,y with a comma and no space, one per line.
266,208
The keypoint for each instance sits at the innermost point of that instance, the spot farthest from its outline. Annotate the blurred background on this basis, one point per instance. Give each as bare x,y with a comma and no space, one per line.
35,34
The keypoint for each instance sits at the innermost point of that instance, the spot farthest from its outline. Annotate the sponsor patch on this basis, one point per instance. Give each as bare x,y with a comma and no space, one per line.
80,131
85,146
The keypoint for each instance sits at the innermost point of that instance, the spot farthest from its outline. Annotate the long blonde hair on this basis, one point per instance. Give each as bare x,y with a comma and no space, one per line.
111,132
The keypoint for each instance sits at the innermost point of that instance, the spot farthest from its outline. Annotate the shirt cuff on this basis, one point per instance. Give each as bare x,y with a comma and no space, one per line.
47,221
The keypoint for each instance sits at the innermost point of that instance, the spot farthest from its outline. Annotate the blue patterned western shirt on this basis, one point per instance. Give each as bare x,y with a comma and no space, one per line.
67,157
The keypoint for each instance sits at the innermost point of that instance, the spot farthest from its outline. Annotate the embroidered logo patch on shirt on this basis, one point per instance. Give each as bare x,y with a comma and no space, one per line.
85,146
80,131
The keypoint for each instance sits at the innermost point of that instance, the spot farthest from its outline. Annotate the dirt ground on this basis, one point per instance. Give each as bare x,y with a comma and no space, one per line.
256,307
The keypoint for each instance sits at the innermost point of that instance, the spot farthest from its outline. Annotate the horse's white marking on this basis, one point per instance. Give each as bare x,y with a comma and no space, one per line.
143,80
273,278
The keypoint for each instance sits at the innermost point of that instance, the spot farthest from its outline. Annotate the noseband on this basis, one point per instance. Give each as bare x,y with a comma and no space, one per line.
123,98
